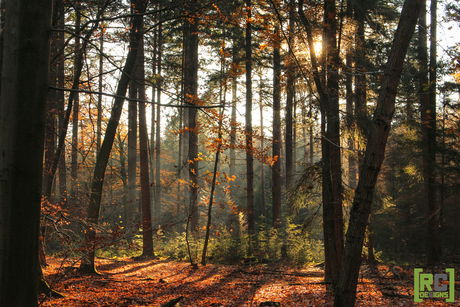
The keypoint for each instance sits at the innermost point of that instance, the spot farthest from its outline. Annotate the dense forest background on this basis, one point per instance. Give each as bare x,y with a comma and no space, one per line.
235,132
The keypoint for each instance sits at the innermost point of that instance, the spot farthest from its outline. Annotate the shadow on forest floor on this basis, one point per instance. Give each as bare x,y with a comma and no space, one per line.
154,282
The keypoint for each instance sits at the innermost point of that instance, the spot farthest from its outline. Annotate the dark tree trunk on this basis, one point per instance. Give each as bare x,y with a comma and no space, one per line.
87,263
345,292
434,224
158,137
191,98
289,143
248,127
330,248
60,105
147,232
276,167
76,110
131,204
26,54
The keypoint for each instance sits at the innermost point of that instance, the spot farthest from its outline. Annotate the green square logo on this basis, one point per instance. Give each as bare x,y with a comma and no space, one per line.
433,286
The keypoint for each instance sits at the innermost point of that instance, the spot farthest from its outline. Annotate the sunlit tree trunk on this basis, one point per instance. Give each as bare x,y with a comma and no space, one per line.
26,54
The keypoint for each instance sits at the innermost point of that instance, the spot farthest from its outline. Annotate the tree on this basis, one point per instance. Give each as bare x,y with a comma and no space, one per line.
147,232
26,54
276,168
345,291
248,127
191,99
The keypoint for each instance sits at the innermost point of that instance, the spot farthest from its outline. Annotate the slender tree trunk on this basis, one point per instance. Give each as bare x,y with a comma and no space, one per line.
434,224
191,98
290,170
276,168
262,136
99,97
345,292
60,108
132,156
75,114
25,76
333,127
158,137
248,127
147,232
87,262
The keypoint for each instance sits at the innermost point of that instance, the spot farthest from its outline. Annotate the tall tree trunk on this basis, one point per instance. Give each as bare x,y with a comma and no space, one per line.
248,126
158,132
290,170
276,168
147,232
75,114
429,131
132,156
26,55
99,97
345,292
191,98
333,127
60,108
87,262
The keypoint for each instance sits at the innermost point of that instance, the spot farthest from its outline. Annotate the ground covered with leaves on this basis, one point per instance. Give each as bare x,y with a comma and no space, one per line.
129,282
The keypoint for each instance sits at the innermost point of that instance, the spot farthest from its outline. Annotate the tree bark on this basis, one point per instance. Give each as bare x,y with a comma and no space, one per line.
248,125
147,231
276,167
26,54
191,98
290,167
345,292
158,132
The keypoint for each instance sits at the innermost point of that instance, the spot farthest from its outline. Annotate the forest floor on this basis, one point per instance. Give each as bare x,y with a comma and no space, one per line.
128,282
